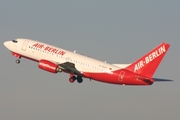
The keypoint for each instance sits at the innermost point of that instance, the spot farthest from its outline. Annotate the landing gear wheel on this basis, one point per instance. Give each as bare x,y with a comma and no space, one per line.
79,79
72,79
17,61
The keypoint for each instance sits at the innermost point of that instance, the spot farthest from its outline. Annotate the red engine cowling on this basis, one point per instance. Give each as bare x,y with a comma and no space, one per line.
48,66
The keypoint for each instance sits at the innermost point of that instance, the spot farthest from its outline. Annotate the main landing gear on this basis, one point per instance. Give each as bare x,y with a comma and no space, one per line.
73,78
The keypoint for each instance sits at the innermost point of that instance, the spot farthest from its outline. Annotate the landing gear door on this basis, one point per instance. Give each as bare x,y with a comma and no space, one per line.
121,76
24,46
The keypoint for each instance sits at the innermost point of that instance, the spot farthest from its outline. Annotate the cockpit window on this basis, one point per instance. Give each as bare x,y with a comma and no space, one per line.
14,40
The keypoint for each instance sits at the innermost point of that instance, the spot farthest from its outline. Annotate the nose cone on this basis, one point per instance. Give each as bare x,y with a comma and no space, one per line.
6,44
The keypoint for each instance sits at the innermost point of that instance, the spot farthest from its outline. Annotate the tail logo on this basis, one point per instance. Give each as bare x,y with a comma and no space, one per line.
121,76
149,58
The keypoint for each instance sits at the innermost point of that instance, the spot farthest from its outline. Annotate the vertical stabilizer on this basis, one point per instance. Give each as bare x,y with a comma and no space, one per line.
148,64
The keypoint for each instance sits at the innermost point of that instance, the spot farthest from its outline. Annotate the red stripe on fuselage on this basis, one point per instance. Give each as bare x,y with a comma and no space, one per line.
115,77
129,78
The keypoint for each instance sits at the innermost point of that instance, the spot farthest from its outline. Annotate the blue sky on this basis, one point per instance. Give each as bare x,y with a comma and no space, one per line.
112,31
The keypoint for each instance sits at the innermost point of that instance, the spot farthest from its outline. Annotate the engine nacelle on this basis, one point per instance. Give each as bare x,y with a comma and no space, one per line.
48,66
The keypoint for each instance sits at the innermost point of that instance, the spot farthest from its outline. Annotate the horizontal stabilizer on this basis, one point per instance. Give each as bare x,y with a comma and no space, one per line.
162,80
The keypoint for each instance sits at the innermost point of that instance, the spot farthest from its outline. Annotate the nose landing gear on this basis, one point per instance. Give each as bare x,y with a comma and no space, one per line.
17,56
18,61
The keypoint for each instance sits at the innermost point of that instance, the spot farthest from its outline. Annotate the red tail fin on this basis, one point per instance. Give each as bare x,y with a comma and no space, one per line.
148,64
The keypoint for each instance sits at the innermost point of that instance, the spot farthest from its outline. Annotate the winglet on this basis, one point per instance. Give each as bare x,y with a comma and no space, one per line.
148,64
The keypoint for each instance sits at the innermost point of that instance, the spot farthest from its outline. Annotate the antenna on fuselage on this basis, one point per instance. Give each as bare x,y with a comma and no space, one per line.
75,51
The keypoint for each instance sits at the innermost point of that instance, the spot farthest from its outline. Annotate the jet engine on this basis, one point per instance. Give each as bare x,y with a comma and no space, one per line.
49,66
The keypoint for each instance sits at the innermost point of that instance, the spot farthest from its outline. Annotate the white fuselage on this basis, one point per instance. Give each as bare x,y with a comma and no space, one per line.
37,50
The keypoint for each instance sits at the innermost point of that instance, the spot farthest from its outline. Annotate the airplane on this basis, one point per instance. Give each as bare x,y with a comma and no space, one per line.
54,60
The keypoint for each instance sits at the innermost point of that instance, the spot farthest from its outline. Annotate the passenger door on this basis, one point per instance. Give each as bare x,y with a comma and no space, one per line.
24,46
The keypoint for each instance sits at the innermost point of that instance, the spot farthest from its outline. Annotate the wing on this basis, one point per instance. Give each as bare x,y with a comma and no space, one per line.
53,66
70,68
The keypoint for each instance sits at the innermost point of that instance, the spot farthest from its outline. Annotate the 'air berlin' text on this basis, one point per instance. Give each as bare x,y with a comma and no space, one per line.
150,57
49,49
